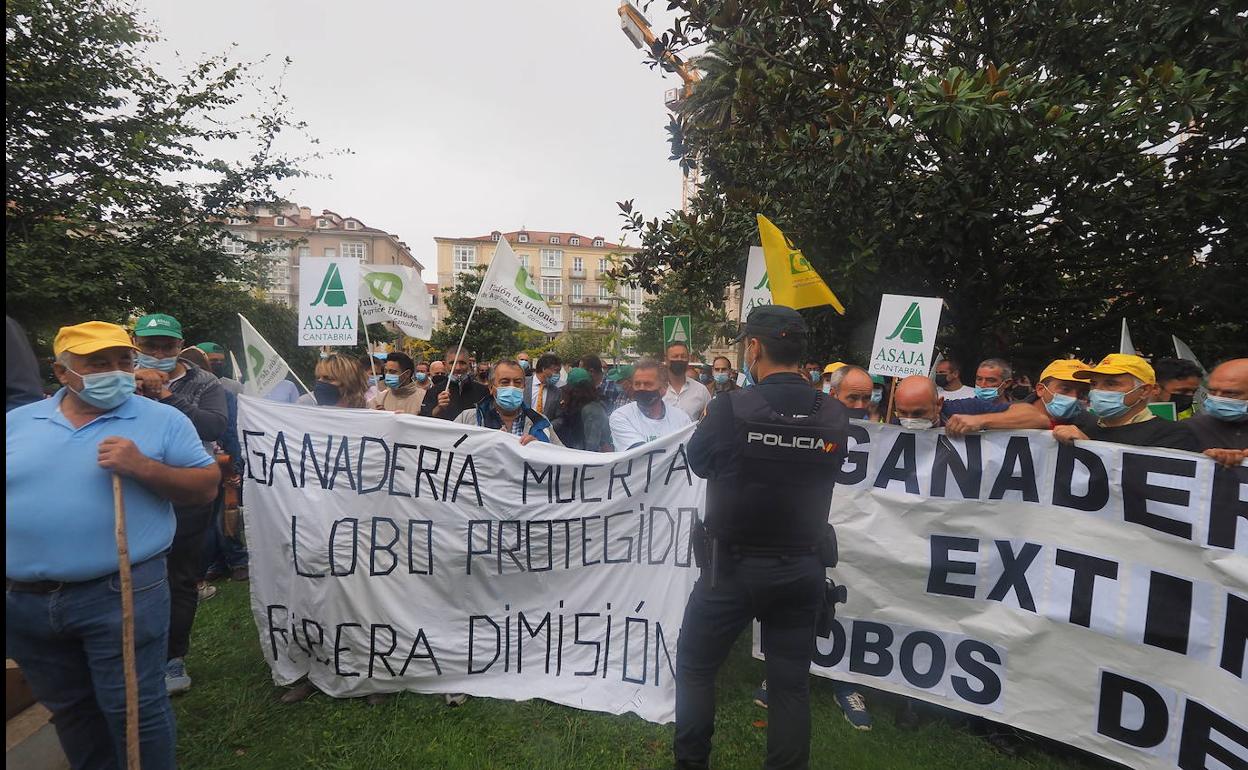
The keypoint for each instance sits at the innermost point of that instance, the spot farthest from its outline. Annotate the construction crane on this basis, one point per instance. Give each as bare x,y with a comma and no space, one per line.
637,29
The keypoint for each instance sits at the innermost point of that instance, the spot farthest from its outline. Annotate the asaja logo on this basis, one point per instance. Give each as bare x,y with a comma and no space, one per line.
331,293
524,285
910,327
763,283
386,287
256,358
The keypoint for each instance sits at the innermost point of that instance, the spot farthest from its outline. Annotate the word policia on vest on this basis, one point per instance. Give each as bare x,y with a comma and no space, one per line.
1094,594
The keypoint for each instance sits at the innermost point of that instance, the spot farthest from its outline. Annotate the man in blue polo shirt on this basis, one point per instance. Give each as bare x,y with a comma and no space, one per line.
62,603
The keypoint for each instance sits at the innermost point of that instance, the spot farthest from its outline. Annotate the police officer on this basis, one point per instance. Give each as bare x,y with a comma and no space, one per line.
770,454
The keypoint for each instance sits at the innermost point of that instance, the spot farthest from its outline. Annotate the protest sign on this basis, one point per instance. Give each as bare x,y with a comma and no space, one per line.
905,333
396,293
1096,594
755,290
329,300
395,552
508,287
678,328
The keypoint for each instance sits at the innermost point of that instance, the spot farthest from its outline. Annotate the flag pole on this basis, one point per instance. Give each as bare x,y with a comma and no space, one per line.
462,337
367,340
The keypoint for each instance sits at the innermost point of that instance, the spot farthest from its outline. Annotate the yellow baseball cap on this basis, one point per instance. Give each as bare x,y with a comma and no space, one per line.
832,367
86,338
1121,363
1063,369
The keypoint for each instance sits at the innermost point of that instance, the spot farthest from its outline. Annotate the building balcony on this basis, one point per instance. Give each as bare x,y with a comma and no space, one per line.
574,273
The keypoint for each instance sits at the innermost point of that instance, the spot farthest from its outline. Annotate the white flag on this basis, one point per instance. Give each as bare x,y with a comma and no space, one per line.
508,287
1181,350
756,290
396,293
265,368
235,368
1124,343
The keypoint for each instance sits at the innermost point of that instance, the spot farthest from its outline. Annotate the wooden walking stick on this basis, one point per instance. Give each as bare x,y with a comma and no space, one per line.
127,628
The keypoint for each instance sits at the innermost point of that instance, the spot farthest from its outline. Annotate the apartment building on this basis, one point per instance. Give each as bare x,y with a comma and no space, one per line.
327,234
567,267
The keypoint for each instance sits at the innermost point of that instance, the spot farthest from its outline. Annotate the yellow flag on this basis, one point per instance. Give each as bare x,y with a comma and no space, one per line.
794,283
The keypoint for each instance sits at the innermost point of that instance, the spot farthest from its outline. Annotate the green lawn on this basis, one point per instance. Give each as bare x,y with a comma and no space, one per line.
231,719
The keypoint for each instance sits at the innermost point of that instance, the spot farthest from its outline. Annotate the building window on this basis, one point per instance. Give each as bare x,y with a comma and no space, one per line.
234,243
522,238
331,252
551,287
305,251
525,260
554,239
574,241
355,249
280,222
352,224
237,221
578,264
602,292
578,289
322,223
463,258
599,243
604,265
552,258
433,299
495,236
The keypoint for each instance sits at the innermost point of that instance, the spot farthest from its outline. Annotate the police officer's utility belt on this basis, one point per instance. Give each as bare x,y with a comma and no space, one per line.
769,551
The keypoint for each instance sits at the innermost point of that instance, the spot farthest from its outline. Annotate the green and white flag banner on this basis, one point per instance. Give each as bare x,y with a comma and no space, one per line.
508,288
265,368
396,293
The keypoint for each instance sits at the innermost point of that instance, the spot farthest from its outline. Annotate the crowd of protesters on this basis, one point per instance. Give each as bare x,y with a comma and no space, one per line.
162,414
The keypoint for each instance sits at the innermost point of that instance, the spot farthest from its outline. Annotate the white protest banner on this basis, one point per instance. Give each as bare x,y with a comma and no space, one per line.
905,333
509,288
755,290
396,552
329,298
265,368
1096,594
396,293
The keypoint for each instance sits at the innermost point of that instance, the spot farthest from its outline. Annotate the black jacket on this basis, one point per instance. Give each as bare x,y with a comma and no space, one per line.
465,396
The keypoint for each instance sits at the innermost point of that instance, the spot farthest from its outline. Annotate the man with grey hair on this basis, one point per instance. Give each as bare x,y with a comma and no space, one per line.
649,416
1122,387
993,379
852,386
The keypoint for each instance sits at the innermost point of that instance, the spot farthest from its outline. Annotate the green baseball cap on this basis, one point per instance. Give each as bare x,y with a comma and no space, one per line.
210,347
618,373
877,379
577,376
158,325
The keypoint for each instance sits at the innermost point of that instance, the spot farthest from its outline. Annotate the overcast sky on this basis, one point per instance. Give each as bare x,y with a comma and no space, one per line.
463,117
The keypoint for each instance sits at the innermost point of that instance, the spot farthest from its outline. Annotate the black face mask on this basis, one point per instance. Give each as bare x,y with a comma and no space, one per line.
942,380
439,379
218,368
858,414
1181,402
646,397
678,368
1019,392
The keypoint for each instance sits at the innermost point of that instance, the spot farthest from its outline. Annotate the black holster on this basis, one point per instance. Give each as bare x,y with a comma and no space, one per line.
833,594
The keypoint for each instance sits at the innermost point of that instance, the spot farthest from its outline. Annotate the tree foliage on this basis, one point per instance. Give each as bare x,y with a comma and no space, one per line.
709,321
117,177
1047,168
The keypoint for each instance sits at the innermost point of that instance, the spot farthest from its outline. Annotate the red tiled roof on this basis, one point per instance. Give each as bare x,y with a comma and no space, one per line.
541,237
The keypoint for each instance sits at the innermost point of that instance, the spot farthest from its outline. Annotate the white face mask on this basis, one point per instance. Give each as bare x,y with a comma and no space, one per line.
915,423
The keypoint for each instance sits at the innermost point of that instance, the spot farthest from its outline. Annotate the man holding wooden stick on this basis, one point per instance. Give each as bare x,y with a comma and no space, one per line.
64,623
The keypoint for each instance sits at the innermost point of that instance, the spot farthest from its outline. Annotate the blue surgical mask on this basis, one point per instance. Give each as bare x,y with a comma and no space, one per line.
720,377
877,395
827,388
326,394
106,390
987,394
552,380
161,364
421,376
1109,404
509,398
524,364
814,376
1225,409
392,380
1062,407
373,379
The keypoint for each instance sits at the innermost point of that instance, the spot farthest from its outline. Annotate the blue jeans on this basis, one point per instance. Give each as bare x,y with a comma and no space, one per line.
221,552
68,644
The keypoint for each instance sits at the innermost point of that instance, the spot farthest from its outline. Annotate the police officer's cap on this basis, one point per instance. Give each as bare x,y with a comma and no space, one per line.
775,321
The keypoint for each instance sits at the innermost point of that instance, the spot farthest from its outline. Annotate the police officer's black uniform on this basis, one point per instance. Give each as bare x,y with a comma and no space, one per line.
770,454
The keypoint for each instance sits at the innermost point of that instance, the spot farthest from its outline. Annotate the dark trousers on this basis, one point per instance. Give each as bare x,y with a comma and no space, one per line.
68,644
185,571
222,553
783,593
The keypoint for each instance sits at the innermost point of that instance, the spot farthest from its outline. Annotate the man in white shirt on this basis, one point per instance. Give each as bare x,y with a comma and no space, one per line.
648,416
949,380
690,396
